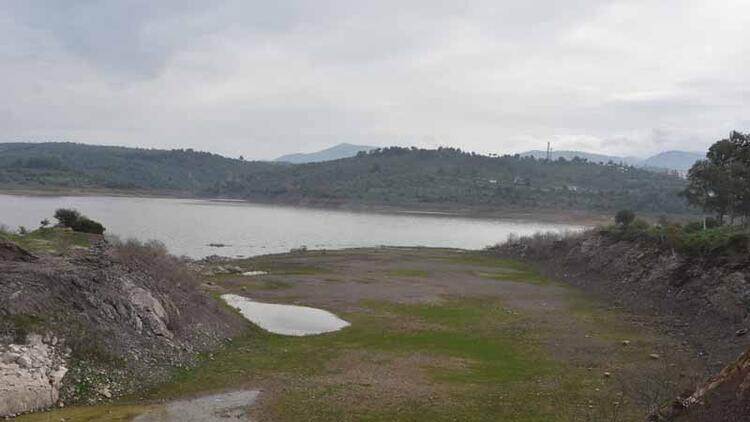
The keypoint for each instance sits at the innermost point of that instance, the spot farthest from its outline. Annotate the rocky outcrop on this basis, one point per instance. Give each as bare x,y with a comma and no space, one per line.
130,314
704,300
31,375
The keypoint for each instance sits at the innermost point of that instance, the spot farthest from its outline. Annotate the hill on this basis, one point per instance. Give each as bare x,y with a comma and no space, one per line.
669,160
70,165
333,153
394,176
675,160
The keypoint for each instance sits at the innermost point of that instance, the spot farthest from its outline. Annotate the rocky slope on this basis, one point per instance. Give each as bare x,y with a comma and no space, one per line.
703,299
93,323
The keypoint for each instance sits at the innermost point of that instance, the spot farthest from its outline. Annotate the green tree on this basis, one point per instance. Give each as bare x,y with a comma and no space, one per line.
721,182
67,217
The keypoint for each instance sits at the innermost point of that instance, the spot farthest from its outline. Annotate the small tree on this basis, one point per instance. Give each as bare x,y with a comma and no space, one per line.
44,223
624,217
67,217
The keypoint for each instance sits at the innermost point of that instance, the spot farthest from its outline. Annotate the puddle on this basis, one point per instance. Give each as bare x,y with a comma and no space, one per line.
254,273
289,320
215,408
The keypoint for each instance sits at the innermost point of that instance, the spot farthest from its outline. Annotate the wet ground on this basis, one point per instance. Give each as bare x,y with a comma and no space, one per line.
223,407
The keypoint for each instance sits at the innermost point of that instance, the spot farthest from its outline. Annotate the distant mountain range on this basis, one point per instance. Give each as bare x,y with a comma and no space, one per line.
669,160
333,153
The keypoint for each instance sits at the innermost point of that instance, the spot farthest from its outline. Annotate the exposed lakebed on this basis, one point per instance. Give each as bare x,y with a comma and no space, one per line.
290,320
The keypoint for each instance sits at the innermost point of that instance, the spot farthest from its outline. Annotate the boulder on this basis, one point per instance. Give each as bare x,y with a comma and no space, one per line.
31,382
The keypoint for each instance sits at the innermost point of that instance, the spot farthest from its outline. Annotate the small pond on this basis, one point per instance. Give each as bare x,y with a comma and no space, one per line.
289,320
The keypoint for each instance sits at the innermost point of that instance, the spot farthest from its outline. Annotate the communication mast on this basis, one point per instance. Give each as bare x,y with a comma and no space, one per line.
548,146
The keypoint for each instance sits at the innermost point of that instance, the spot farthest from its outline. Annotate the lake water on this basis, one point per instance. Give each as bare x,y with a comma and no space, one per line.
288,320
188,226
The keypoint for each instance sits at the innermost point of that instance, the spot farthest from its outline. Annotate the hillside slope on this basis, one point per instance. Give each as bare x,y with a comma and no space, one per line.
413,177
69,165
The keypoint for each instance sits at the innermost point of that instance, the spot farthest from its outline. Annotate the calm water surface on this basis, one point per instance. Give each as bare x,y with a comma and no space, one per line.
288,320
188,226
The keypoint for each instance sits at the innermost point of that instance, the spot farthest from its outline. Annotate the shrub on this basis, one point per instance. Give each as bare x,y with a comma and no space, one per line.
77,221
624,217
86,225
67,217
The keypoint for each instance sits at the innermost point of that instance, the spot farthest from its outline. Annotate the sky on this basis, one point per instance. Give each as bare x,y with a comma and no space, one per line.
266,78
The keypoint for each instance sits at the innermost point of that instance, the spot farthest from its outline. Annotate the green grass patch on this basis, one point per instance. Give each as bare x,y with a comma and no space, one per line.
51,240
494,351
485,260
409,273
517,276
100,413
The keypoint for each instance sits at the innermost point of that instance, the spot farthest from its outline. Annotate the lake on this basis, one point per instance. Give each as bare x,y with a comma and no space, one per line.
189,226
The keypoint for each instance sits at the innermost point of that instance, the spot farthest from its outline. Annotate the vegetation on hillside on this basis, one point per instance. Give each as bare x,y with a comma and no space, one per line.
390,176
76,166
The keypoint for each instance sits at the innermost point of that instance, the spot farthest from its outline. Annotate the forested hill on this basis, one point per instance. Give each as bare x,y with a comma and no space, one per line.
390,176
69,165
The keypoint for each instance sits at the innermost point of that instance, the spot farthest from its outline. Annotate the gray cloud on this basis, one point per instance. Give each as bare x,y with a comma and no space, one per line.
265,78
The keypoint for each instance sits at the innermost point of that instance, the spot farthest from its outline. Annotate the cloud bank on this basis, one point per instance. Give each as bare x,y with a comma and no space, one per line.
264,78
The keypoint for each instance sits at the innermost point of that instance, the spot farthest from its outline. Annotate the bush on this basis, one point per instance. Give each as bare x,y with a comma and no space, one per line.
86,225
624,217
78,222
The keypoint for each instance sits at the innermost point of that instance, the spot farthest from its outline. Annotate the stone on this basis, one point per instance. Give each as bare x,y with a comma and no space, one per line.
104,391
654,356
24,361
31,382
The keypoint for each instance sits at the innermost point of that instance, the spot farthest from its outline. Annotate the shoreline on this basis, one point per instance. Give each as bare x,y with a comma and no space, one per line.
579,217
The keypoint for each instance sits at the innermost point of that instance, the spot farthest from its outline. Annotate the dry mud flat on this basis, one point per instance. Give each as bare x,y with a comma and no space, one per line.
435,335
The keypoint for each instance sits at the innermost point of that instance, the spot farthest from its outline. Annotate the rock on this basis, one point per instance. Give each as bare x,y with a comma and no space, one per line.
607,374
104,391
148,309
741,332
626,342
32,382
654,356
24,361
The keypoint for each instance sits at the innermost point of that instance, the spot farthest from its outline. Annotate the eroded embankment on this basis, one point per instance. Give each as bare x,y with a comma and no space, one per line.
91,323
704,300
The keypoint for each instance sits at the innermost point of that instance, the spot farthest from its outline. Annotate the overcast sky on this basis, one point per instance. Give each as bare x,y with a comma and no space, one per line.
264,78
